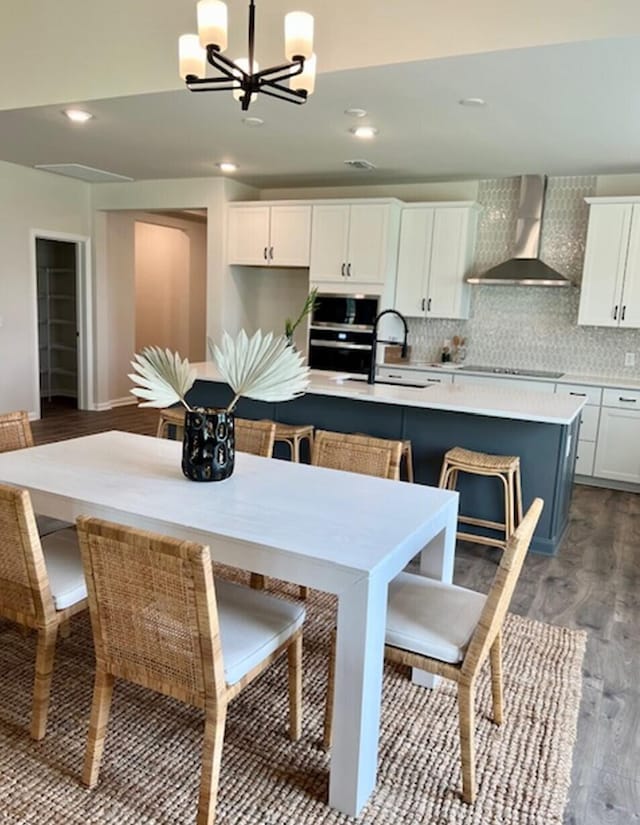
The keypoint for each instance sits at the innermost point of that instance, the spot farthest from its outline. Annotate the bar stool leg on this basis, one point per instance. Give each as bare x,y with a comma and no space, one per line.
518,483
296,449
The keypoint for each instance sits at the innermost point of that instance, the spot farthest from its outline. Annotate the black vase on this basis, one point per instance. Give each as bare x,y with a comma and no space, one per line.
208,447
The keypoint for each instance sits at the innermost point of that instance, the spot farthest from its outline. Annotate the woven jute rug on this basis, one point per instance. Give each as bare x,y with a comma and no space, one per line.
151,766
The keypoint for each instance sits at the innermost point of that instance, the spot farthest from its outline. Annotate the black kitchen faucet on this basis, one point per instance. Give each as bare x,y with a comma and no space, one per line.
375,341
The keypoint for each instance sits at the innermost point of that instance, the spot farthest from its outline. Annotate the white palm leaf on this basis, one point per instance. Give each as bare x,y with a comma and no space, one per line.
261,367
163,378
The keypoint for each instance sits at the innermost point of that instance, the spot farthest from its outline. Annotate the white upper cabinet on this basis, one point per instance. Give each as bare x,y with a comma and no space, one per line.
264,235
610,292
437,243
354,244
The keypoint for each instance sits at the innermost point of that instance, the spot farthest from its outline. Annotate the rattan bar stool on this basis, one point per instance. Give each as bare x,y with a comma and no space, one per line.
407,455
293,435
171,417
504,467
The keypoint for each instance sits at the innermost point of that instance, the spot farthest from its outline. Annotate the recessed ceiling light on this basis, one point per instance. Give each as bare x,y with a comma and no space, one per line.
77,115
364,132
354,112
226,166
472,101
252,121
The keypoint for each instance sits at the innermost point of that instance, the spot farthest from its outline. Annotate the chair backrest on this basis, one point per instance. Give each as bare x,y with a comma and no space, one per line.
153,610
255,437
15,431
357,454
25,596
501,592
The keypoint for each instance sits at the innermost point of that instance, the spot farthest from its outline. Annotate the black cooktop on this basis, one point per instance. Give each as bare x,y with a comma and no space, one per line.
512,371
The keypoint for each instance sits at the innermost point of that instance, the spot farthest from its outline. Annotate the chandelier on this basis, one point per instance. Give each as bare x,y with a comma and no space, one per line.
243,76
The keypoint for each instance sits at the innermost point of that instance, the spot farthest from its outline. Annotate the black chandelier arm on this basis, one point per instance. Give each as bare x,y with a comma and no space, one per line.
228,88
282,72
223,64
290,95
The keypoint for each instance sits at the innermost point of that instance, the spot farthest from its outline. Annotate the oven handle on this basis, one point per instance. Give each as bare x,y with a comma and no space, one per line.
315,342
341,327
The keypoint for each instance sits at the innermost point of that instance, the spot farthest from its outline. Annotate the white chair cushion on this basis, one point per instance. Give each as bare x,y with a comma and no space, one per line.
64,568
47,525
431,618
252,625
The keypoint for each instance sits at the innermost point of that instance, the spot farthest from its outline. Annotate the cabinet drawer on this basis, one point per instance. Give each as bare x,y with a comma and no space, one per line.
415,376
592,394
505,383
589,423
625,399
584,458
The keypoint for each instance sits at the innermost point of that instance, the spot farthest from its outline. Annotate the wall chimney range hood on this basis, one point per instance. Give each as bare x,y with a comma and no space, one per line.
525,268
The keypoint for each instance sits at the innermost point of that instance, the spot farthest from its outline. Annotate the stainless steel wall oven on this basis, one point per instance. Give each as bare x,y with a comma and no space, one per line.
341,332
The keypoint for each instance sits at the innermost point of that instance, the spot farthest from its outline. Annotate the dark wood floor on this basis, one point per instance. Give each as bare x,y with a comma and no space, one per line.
593,583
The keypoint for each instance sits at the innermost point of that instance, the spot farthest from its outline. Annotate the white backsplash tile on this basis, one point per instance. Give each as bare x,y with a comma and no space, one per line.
532,327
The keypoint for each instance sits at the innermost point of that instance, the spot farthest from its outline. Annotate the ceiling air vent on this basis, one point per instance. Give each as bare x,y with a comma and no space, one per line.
86,173
364,165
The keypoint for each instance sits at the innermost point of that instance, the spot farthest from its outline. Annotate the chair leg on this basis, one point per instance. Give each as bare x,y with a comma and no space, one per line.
214,725
65,629
466,695
294,660
257,581
442,481
409,465
496,679
327,733
296,449
304,592
102,694
45,653
518,483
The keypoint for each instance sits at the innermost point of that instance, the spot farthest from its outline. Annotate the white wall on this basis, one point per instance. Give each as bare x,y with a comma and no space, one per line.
29,200
466,190
170,287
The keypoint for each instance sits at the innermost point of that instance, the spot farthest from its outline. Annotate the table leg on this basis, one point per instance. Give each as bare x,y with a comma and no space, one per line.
358,685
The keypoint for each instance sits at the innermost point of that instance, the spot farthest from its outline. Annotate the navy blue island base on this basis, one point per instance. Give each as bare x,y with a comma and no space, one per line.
547,450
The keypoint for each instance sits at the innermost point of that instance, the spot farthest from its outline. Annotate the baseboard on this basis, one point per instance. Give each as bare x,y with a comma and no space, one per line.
607,484
125,401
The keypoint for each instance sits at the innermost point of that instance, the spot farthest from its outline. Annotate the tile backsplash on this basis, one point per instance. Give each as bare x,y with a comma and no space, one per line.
534,327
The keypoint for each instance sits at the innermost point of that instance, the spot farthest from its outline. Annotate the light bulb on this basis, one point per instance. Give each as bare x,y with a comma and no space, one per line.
212,23
192,56
298,34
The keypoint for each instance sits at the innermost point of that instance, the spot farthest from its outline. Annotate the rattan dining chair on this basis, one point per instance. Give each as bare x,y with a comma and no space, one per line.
255,437
41,586
194,641
357,454
450,631
15,434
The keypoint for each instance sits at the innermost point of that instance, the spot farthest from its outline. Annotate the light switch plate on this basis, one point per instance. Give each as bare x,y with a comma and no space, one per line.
629,359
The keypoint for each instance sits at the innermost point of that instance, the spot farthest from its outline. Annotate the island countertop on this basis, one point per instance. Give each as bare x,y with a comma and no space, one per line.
510,402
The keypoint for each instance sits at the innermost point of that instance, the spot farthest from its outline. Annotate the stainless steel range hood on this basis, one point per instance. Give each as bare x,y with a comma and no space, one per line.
526,268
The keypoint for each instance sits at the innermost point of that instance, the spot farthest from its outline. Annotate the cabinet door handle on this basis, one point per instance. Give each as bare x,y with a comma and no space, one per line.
624,309
434,380
271,253
265,253
429,305
391,375
627,400
342,270
423,304
581,394
615,313
348,270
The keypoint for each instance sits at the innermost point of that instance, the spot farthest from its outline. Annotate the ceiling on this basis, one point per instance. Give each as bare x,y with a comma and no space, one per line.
562,108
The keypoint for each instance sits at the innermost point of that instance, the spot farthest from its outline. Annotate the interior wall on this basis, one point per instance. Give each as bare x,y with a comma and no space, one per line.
29,200
162,293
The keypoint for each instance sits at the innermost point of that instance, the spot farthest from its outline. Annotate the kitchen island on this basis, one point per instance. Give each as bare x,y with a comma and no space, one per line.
541,428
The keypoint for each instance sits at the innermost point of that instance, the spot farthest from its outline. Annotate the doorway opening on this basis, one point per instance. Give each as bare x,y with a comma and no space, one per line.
61,268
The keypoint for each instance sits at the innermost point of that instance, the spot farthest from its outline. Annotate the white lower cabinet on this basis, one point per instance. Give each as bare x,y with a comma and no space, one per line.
618,453
589,419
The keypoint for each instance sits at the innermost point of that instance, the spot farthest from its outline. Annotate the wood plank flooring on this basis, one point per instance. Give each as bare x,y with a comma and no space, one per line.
593,583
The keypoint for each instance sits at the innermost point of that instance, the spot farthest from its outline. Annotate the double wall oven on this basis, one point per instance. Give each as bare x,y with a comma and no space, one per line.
341,332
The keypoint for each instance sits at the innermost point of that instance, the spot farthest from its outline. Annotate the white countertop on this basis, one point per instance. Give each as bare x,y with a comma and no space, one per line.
620,382
491,401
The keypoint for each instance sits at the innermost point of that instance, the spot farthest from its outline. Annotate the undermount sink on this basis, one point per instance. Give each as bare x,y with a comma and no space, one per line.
393,383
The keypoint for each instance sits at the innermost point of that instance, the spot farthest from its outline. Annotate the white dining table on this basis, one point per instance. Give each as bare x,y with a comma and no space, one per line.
339,532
